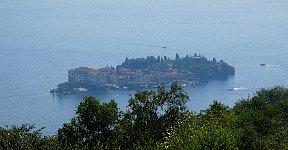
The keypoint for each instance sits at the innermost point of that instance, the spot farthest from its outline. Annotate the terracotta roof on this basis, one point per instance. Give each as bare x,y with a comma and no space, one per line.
81,70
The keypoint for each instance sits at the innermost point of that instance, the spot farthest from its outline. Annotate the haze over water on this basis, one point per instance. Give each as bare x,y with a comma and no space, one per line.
41,39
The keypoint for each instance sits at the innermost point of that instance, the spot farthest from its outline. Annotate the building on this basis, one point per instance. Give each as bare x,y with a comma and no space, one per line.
122,77
79,75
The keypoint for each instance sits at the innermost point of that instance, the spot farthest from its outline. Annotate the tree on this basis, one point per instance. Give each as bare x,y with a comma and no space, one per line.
93,125
158,59
25,137
192,133
262,120
177,56
217,111
211,129
165,58
152,114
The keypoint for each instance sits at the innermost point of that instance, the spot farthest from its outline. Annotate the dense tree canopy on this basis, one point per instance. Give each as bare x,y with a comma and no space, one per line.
152,114
200,66
25,137
93,125
262,120
159,119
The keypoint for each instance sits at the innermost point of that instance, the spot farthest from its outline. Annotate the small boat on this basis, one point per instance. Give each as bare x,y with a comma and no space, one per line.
231,89
164,47
183,85
236,88
262,65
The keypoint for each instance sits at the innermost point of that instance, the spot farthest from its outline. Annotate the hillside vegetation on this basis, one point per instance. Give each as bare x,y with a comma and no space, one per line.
159,119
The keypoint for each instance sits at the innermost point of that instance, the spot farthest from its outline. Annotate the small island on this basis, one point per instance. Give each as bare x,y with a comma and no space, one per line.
146,72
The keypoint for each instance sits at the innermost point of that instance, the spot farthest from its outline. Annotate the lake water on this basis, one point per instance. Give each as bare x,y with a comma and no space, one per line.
41,39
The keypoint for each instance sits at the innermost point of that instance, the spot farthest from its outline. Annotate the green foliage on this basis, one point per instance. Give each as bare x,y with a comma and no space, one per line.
197,64
159,120
262,120
24,137
66,87
217,111
152,114
93,125
177,56
211,129
193,133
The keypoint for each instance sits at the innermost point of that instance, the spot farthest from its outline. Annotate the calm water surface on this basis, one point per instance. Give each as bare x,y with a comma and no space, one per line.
41,39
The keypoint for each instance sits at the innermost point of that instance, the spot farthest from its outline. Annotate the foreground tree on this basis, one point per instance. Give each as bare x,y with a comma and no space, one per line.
159,120
192,133
151,115
25,137
262,120
211,129
92,126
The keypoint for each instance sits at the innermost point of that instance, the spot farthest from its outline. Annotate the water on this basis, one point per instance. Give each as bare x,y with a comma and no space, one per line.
41,39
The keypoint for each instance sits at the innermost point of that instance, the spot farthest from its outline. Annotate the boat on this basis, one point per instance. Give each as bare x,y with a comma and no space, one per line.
231,89
236,88
262,65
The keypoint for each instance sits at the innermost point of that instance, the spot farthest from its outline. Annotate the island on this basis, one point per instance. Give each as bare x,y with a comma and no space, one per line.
146,72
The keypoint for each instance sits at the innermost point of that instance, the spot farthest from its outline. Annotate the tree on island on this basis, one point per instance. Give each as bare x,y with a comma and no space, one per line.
177,57
202,68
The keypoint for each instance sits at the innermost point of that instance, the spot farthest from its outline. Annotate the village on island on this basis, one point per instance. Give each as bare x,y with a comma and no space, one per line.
145,73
